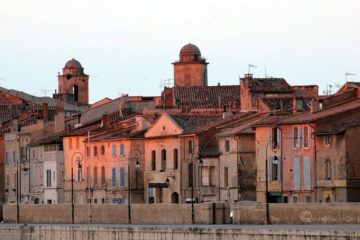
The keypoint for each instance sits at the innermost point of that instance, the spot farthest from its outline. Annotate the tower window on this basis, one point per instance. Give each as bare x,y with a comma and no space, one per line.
76,93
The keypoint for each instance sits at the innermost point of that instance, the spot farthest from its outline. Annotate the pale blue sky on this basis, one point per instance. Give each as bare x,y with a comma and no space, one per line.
127,46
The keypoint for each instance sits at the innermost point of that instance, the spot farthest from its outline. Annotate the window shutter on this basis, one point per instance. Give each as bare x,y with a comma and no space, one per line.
307,182
269,176
122,151
279,169
292,137
296,173
122,176
114,177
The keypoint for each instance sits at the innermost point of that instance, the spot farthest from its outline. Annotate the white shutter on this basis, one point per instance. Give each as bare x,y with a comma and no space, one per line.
307,182
296,173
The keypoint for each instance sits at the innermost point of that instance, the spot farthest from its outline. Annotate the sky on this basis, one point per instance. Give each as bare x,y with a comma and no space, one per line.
127,46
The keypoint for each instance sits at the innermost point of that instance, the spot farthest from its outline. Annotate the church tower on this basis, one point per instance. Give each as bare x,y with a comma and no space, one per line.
73,84
191,70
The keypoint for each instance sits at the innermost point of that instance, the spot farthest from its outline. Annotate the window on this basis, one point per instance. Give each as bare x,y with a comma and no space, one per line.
122,176
79,167
6,158
88,151
95,151
70,143
113,150
205,178
275,169
208,174
48,177
102,150
296,137
296,174
122,149
327,169
114,177
306,134
308,199
327,140
295,199
153,160
163,160
226,177
14,157
102,176
299,104
227,146
95,176
176,154
307,182
275,138
190,146
191,174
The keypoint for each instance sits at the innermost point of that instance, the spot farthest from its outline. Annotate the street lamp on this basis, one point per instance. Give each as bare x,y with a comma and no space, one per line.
79,157
133,154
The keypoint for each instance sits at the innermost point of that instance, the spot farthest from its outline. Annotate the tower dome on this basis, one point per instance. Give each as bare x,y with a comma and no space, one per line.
190,50
73,63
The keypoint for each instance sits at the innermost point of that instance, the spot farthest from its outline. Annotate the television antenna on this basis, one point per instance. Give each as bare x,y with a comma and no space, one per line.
349,74
45,91
251,66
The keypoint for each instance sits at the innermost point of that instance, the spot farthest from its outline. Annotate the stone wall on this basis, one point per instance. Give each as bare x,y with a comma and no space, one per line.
337,213
97,232
206,213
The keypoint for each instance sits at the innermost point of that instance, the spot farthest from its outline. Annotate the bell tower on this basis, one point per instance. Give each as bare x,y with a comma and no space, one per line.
191,70
73,84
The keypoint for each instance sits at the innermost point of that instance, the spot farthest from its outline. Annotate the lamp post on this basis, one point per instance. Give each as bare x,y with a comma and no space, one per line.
79,157
133,154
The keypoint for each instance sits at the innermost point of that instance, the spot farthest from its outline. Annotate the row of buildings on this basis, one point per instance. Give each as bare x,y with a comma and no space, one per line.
193,143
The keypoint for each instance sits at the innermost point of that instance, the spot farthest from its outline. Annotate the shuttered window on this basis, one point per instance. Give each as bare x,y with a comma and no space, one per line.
122,177
307,182
114,177
296,173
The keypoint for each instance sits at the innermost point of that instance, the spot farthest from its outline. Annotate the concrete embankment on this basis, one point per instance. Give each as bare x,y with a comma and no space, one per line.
173,232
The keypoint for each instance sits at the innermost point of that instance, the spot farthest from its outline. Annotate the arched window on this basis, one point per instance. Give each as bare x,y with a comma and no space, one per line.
76,93
176,154
153,160
327,169
163,160
174,197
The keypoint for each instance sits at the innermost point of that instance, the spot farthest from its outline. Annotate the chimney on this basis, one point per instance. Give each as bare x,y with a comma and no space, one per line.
45,112
226,112
59,118
105,120
315,106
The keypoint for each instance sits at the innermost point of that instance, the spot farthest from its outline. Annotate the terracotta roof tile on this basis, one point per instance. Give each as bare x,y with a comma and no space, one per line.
208,96
270,85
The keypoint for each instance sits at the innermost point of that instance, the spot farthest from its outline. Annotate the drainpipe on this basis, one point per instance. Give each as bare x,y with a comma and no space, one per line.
237,163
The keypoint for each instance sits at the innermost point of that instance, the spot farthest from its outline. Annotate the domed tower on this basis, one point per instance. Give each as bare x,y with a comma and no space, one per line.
73,84
191,70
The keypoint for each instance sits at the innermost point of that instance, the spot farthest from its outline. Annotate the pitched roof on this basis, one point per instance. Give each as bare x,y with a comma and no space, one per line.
40,100
190,122
270,85
208,96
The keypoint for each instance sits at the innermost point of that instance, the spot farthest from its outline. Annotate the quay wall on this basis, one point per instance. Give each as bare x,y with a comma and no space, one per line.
98,232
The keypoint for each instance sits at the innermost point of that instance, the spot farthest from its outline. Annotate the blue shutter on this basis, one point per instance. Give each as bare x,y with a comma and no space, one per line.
122,176
296,173
114,150
114,177
307,182
113,200
122,152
